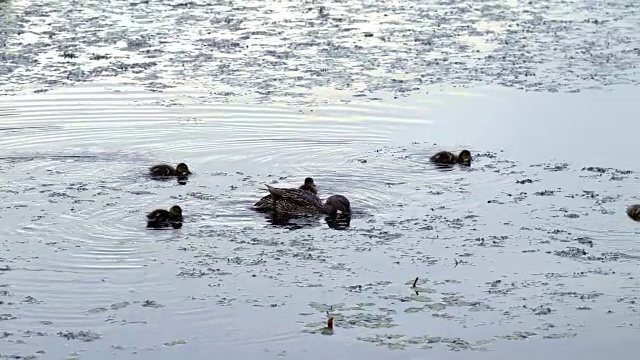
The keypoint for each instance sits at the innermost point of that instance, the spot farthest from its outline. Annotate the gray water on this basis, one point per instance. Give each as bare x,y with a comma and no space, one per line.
527,254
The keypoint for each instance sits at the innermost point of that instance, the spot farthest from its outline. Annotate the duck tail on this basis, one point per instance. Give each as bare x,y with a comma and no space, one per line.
275,192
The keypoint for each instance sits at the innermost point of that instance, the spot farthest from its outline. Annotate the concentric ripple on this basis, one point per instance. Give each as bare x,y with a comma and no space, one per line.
77,190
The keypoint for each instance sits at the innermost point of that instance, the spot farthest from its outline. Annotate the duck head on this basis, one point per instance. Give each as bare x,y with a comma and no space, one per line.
337,203
634,212
175,211
182,169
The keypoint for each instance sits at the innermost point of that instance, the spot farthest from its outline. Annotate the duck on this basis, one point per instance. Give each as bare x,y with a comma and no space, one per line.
449,158
266,202
163,218
181,170
634,212
287,202
293,201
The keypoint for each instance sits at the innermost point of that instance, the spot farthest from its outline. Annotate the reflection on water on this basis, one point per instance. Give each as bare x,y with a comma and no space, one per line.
504,249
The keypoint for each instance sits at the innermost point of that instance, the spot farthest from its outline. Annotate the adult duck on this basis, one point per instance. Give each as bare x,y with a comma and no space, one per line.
295,202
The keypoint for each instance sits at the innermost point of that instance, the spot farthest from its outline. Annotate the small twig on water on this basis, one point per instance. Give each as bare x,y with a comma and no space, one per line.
456,260
415,282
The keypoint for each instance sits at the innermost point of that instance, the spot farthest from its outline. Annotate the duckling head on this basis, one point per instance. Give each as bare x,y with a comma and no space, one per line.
175,211
634,212
309,185
464,157
309,181
182,169
337,203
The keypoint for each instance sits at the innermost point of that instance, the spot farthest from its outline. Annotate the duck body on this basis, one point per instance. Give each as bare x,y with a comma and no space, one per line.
634,212
165,170
163,218
266,202
293,202
288,202
449,158
444,158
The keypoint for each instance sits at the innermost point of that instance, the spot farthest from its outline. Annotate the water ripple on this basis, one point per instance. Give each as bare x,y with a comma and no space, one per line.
302,52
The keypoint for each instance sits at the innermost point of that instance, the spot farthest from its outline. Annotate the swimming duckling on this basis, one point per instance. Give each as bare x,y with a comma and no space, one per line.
266,202
180,170
449,158
634,212
163,218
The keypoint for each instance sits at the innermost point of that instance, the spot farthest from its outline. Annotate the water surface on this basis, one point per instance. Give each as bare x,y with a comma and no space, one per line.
510,249
527,253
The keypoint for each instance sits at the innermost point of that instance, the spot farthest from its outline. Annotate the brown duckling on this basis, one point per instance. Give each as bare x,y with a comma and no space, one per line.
181,170
309,185
449,158
163,218
634,212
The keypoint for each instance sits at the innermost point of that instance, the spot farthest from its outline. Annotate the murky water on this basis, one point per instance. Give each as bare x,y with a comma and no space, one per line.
528,253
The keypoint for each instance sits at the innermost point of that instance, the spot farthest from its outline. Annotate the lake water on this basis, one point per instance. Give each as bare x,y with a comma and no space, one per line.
528,253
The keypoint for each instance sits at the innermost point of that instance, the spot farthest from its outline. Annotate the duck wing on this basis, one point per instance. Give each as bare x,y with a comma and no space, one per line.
296,196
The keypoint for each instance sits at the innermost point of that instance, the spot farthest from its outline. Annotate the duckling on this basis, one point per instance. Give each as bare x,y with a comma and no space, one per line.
162,218
167,170
266,202
634,212
449,158
309,185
